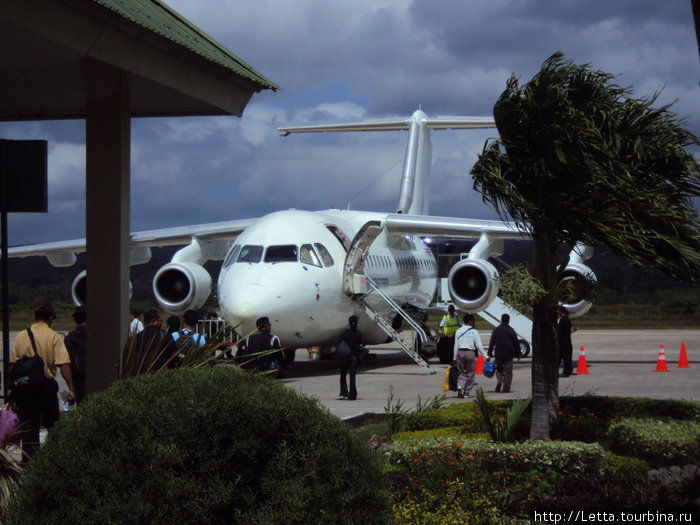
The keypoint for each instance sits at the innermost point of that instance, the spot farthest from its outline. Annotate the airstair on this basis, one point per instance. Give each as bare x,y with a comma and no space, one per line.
388,329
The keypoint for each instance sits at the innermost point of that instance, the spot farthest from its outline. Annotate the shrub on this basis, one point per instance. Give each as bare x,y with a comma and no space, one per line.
660,443
630,473
468,416
211,445
559,456
678,486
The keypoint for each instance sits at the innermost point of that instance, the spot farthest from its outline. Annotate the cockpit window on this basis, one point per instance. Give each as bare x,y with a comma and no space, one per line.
250,253
308,255
282,253
325,255
231,257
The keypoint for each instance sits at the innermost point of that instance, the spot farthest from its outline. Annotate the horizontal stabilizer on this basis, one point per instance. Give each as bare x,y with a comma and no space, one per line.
394,125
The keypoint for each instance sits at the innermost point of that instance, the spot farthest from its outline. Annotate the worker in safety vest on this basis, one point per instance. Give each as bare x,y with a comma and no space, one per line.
449,323
448,326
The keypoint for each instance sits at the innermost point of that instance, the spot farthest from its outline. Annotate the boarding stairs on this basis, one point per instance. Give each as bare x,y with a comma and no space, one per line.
388,329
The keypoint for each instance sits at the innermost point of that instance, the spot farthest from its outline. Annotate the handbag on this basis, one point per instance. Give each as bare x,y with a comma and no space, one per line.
453,378
27,374
489,368
446,382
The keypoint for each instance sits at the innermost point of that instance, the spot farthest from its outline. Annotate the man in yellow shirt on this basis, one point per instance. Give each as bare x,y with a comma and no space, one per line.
33,409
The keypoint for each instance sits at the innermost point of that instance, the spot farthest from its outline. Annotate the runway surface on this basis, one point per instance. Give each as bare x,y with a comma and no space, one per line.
620,363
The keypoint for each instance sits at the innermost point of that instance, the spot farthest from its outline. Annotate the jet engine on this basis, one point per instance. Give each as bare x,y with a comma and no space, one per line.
78,290
473,284
180,286
578,306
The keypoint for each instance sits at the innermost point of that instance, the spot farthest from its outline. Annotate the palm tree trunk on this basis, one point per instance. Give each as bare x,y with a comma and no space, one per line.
545,366
545,343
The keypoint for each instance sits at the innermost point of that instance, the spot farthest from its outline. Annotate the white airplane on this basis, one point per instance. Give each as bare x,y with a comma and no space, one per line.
309,271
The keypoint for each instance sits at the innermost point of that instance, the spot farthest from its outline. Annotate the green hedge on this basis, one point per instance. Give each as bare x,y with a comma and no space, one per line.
559,456
201,446
660,443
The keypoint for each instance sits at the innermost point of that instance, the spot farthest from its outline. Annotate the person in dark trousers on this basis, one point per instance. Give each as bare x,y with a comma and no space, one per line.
353,338
75,344
40,406
504,344
467,347
157,346
262,341
566,349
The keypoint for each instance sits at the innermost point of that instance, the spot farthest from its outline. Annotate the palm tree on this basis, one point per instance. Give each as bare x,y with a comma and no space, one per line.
580,160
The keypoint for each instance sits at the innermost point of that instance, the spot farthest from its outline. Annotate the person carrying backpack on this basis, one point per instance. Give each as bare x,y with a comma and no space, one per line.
187,338
38,404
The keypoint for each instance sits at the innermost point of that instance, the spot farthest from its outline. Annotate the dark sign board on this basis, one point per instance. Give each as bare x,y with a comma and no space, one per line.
23,176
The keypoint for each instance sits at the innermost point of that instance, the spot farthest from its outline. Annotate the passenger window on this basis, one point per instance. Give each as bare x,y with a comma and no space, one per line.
325,255
250,253
231,257
281,253
307,255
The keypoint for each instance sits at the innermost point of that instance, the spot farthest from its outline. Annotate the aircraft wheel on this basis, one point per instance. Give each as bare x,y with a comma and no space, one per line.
524,348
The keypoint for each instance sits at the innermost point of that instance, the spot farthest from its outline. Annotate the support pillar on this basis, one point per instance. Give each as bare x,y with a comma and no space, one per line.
108,138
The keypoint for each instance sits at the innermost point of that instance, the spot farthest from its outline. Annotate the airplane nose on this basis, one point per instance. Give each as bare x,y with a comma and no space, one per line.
244,311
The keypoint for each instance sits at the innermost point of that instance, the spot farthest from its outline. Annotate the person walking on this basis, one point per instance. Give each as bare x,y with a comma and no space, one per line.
449,324
75,344
260,343
566,348
352,337
504,345
40,405
467,346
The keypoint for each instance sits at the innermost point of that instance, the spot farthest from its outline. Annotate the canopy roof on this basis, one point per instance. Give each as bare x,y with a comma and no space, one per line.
175,68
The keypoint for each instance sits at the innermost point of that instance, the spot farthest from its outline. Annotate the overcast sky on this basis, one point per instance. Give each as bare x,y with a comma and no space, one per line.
348,61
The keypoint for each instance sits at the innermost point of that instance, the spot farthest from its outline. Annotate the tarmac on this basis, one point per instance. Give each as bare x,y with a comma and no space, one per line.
619,363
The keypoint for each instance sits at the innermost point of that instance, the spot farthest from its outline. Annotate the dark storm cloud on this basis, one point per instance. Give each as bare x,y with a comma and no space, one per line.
347,61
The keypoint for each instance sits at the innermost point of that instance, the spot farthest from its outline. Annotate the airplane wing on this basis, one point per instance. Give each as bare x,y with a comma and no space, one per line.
62,253
428,225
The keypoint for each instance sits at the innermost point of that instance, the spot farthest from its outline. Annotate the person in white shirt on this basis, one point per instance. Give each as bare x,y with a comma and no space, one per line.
467,344
136,325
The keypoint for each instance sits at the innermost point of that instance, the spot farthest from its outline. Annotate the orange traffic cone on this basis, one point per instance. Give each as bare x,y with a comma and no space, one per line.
661,362
479,365
683,360
582,368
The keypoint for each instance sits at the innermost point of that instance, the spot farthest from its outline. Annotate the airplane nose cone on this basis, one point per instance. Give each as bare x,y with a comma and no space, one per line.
244,311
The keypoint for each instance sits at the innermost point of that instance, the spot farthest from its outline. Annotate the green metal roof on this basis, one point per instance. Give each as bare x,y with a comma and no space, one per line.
161,19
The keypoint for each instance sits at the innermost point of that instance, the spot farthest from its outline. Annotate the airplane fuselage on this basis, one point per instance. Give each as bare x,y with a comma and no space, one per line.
289,266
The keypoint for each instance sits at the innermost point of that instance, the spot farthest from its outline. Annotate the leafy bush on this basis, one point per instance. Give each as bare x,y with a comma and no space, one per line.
613,409
451,453
660,443
468,416
212,445
630,473
445,432
678,486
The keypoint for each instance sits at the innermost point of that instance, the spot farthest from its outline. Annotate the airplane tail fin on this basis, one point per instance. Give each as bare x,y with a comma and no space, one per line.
415,180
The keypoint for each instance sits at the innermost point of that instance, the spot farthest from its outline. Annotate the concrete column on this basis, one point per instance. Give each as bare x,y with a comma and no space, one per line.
108,137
